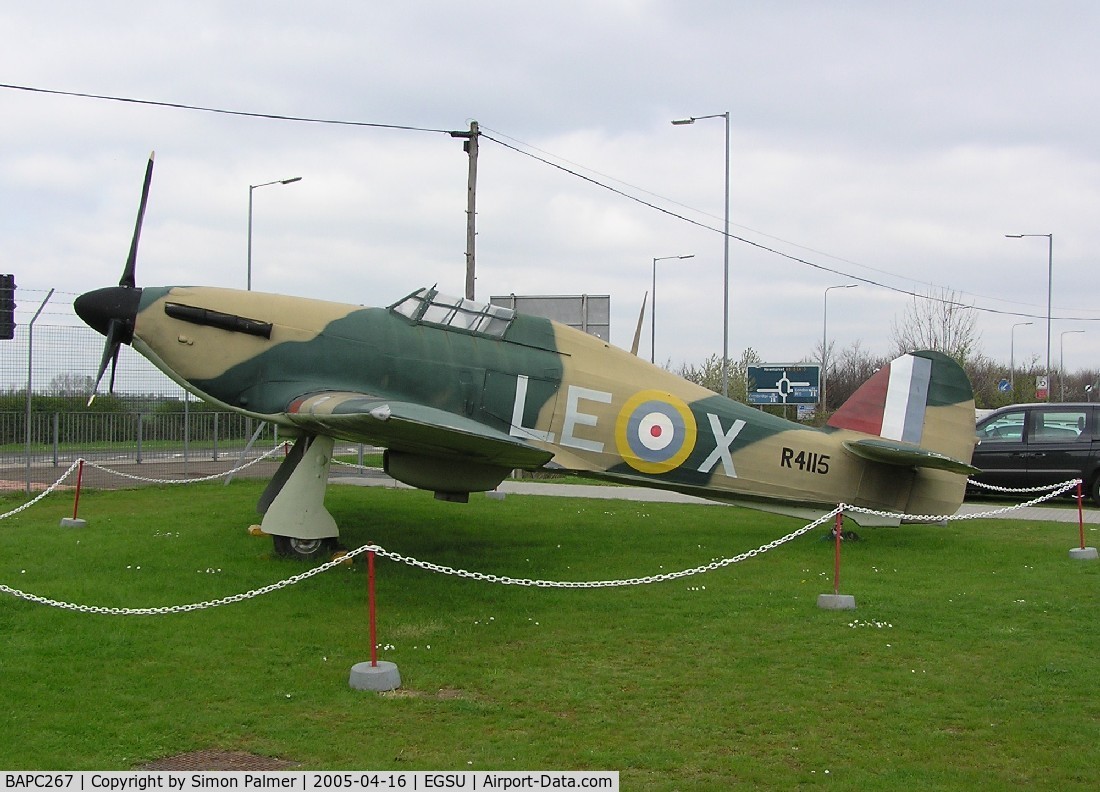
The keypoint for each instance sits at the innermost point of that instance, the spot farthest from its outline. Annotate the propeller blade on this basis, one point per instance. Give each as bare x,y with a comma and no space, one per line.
128,278
110,355
114,364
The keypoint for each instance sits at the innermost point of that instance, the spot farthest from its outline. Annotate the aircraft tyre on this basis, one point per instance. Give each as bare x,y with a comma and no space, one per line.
305,549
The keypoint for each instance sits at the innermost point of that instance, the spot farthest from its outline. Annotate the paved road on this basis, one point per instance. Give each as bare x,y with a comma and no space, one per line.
375,478
14,478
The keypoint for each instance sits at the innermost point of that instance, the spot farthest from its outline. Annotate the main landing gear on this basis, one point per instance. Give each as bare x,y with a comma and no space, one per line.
293,503
306,549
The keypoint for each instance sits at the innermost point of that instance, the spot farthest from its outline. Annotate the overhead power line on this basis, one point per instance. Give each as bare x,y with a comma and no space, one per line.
774,251
570,171
221,111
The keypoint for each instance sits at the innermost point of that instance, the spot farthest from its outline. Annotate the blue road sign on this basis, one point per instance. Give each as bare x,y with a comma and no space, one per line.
782,384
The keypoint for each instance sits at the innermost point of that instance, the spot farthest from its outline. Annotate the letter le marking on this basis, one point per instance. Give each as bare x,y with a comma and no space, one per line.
574,417
517,429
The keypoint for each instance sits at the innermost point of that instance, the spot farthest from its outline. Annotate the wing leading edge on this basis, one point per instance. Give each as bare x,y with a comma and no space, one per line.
411,427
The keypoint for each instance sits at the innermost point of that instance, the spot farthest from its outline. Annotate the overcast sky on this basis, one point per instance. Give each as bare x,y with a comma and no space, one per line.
892,143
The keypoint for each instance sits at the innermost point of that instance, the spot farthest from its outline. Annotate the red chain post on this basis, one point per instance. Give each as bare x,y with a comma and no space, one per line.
836,555
1080,515
80,477
371,610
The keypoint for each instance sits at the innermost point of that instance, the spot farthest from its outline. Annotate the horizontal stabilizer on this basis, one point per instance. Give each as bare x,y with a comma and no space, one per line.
891,453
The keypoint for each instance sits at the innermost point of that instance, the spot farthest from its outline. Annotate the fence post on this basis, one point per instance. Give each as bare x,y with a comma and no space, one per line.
140,435
30,361
56,436
186,435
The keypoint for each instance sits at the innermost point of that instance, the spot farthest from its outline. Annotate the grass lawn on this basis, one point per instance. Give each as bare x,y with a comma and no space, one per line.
970,663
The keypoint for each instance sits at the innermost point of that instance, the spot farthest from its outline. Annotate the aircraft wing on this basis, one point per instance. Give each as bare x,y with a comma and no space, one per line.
412,427
894,453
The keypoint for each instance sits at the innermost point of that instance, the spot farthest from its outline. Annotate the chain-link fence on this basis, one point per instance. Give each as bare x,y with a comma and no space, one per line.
47,374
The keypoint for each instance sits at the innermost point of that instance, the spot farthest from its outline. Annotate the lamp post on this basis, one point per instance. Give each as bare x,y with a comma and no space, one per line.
1050,283
653,306
825,337
252,187
1012,357
1062,359
725,251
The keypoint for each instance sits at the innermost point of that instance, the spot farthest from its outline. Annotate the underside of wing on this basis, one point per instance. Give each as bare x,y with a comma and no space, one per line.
893,453
412,428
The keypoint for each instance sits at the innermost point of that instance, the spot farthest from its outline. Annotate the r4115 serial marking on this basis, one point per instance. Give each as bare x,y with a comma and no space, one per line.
808,461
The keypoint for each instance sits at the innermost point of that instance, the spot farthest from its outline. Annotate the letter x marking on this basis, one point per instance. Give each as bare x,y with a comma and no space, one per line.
723,440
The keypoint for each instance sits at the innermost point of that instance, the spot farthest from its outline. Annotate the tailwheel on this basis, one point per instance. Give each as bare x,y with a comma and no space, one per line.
305,549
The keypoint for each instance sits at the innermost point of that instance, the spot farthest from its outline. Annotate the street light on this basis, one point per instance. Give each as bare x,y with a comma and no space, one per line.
1012,357
725,251
1050,283
653,306
252,187
1061,360
825,337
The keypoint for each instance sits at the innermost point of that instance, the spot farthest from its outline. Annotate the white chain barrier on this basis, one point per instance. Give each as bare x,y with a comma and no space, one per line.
481,576
105,469
1051,493
44,492
1018,490
211,477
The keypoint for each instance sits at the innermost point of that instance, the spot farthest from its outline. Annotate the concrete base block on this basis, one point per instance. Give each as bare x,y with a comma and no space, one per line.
1083,553
383,676
836,601
494,495
76,522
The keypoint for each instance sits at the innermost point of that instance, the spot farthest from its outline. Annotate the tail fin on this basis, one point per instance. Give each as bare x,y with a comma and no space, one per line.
638,329
920,399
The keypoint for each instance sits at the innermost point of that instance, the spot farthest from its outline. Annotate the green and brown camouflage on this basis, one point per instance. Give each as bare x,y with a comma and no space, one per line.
460,393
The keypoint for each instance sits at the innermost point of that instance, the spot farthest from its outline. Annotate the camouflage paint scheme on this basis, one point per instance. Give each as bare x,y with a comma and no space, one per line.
460,394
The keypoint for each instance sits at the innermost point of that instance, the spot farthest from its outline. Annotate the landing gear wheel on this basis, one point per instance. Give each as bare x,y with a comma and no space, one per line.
305,549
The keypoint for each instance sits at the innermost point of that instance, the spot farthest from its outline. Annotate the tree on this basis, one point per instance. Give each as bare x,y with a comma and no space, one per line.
709,374
985,376
849,369
939,322
72,384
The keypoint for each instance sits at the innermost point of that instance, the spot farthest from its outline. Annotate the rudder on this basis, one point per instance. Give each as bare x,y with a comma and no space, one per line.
922,398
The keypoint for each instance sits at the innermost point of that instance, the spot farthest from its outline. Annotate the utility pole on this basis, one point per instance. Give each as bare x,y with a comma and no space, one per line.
470,147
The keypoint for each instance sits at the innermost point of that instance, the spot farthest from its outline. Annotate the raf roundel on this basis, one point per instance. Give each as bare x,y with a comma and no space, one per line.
655,432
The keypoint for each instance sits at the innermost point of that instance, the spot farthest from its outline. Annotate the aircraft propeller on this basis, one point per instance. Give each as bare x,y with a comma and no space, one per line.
113,310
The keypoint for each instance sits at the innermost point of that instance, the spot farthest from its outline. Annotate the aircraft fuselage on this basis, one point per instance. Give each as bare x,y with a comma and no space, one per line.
597,409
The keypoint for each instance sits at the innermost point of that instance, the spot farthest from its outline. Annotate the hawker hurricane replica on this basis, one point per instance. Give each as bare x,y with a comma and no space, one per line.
460,393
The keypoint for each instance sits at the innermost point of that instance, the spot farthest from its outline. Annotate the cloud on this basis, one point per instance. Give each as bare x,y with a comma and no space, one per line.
891,144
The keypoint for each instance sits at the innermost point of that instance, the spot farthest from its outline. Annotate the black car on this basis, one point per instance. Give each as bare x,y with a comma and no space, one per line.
1030,445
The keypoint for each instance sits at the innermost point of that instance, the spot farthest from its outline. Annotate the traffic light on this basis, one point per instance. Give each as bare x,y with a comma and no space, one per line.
7,307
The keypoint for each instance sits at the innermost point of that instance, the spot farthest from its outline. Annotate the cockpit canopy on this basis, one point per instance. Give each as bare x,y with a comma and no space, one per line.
428,306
